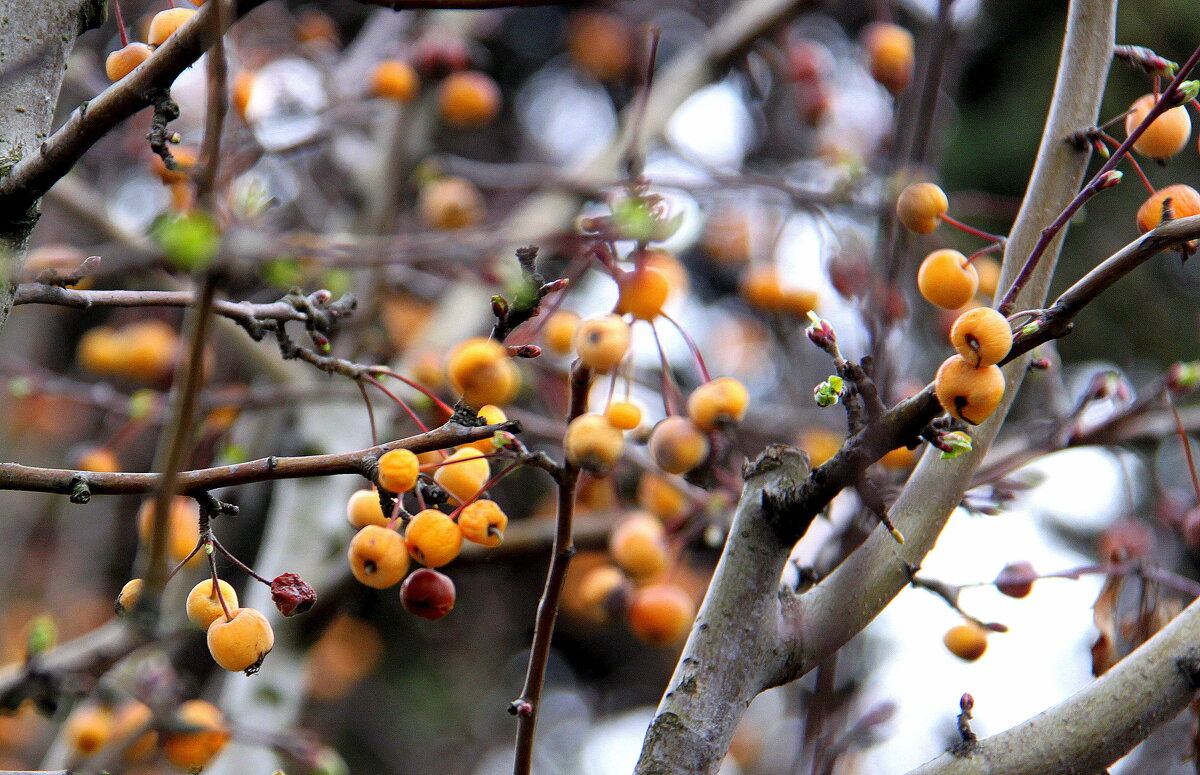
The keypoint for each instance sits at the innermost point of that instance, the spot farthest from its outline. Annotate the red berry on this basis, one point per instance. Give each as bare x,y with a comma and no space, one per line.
427,593
1016,579
292,595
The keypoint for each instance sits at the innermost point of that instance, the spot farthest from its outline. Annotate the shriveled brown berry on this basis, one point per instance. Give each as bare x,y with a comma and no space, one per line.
291,594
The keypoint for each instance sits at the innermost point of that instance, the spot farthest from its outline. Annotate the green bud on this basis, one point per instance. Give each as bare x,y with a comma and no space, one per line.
959,442
20,387
141,403
188,241
828,392
41,635
1188,91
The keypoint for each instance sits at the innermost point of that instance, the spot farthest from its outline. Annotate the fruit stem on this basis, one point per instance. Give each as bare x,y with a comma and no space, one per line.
486,486
216,587
121,24
997,238
668,383
381,370
1129,158
691,343
407,409
1183,438
370,412
243,566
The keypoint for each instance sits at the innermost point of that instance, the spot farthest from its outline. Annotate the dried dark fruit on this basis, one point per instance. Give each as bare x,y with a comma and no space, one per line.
292,595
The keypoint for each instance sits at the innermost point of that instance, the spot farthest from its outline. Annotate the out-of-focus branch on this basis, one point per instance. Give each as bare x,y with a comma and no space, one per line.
83,484
1090,730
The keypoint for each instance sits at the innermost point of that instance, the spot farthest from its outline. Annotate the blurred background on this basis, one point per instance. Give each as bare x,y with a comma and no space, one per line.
780,173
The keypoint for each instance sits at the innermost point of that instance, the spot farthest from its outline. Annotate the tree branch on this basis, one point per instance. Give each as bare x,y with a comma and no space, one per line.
83,484
1090,730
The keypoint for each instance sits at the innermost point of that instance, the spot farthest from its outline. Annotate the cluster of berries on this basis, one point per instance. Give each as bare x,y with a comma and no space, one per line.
189,737
968,641
145,351
124,60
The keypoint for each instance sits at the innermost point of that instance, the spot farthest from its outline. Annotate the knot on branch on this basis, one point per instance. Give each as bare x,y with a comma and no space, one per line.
166,110
528,301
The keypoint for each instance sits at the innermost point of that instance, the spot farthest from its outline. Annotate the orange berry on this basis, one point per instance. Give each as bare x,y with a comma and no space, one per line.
799,301
433,538
165,23
639,546
203,607
151,350
593,444
346,652
601,45
820,444
363,509
726,237
899,459
194,749
241,642
601,590
183,527
242,90
100,351
493,415
394,79
128,596
677,445
89,729
642,293
1166,135
482,372
657,494
921,207
760,287
981,336
1184,202
378,556
966,641
124,61
315,26
715,403
968,393
623,415
100,460
185,158
946,279
131,719
988,270
667,265
468,99
889,50
463,474
483,522
450,203
602,342
398,470
559,333
661,614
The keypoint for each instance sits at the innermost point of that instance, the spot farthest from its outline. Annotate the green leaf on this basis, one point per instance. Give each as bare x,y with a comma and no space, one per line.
41,635
189,241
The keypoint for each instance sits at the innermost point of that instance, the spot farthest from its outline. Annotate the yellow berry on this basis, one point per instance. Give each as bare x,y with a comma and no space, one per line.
378,557
642,293
482,372
602,342
151,350
968,393
130,719
677,445
124,61
89,729
483,522
559,333
468,99
988,270
463,474
799,301
128,596
1184,202
921,207
946,279
890,58
394,79
492,415
899,459
639,546
183,527
1166,135
820,444
658,495
203,607
720,401
450,203
398,470
624,415
760,287
194,749
661,614
966,641
433,538
981,336
165,23
593,444
241,642
242,90
363,509
100,351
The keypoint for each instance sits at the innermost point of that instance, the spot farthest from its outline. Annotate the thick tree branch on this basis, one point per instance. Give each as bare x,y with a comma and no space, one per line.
1098,725
83,484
